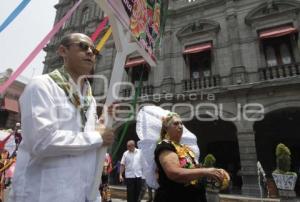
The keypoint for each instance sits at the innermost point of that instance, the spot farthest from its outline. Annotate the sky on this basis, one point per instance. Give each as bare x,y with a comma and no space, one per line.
23,34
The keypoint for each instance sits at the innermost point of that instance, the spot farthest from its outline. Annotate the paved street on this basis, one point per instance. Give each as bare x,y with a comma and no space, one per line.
113,200
118,200
121,200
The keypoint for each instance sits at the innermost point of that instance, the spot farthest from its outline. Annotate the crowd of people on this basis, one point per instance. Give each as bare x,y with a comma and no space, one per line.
58,157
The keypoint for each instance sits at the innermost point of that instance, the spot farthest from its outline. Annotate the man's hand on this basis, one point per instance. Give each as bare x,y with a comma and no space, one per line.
106,133
121,179
108,112
122,169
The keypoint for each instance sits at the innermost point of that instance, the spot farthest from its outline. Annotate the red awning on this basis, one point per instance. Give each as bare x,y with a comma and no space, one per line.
277,32
135,62
197,48
11,105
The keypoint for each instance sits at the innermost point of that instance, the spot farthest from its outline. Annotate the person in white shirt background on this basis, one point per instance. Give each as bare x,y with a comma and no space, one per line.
132,164
57,158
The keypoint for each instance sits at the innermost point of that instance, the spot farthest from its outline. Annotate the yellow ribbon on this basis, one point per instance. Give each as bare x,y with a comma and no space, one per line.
104,39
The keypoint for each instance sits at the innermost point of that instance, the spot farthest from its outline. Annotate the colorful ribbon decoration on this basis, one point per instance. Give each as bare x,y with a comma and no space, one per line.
7,165
34,53
3,142
40,46
99,29
104,39
14,14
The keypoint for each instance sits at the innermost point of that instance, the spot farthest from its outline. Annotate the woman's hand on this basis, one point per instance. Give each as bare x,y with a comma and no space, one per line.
221,176
225,174
226,180
215,173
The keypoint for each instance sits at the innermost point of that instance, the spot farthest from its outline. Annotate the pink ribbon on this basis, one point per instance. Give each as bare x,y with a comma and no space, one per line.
10,171
99,29
36,51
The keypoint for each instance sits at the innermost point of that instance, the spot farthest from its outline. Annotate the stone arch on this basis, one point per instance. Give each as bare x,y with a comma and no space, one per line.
271,8
201,26
277,106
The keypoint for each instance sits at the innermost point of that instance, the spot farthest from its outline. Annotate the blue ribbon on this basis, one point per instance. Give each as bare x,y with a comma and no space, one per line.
14,14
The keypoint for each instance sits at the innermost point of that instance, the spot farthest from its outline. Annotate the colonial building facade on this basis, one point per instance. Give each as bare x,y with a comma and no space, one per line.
230,68
9,106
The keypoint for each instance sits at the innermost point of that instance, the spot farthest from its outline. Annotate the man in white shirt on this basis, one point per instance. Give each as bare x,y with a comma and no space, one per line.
132,163
57,159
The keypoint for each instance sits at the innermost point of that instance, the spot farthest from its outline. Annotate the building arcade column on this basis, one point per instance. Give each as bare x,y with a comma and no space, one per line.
248,158
238,71
168,78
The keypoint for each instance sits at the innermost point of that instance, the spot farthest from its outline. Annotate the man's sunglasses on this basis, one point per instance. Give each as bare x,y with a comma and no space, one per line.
85,47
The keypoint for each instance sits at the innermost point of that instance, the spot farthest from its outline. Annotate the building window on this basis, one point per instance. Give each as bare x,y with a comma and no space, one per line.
137,68
138,72
278,51
69,21
84,15
285,54
270,56
3,118
277,45
198,59
66,24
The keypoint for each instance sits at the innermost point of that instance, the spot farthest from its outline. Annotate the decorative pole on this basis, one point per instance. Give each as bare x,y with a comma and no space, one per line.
124,46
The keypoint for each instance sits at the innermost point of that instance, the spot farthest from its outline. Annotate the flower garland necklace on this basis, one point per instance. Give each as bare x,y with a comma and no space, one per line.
62,79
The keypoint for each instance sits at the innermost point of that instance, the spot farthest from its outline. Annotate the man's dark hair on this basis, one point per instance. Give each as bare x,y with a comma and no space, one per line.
66,40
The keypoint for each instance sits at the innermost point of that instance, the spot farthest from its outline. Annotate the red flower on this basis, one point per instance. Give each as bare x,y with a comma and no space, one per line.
182,162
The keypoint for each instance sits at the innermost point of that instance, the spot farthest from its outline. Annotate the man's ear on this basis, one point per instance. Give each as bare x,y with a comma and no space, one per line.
61,51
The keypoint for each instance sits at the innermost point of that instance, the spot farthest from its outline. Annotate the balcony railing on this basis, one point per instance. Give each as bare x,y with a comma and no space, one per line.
277,72
215,81
201,83
145,90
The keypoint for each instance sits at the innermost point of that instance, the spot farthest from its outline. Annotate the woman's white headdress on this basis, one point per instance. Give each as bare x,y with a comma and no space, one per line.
148,126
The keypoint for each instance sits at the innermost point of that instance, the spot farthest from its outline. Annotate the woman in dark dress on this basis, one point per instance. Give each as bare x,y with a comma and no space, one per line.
178,174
